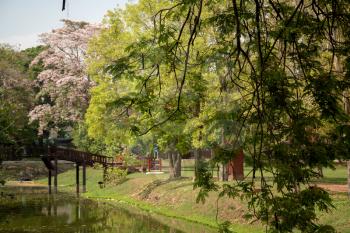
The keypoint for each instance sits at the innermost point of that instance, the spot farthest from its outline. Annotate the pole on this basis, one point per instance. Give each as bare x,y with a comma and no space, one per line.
104,174
49,181
77,176
55,177
84,177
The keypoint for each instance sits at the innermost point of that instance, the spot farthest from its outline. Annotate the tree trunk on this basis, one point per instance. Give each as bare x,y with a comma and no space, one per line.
338,67
320,171
171,164
174,165
197,157
223,171
197,152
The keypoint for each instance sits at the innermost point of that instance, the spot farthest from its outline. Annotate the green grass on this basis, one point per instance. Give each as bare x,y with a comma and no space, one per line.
337,176
340,216
176,198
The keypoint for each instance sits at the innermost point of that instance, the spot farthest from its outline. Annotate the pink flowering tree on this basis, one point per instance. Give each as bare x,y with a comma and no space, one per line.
63,84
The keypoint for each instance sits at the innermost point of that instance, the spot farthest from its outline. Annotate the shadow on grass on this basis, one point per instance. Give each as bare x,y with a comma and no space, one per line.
183,185
103,185
147,190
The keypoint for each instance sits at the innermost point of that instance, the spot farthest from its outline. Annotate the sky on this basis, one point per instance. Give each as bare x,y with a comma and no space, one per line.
23,20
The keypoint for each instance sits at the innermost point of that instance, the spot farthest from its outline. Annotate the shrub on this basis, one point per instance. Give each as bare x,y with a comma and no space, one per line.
115,176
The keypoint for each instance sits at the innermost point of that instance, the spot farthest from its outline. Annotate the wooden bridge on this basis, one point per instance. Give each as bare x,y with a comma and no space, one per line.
79,158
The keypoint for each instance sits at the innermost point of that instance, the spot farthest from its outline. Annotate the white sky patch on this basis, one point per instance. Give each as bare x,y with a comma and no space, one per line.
22,41
22,20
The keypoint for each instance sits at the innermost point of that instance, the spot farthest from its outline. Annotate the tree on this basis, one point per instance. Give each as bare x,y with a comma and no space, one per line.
278,58
64,85
17,97
109,117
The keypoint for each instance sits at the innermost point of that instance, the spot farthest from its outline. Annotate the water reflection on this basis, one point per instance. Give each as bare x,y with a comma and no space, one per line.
35,211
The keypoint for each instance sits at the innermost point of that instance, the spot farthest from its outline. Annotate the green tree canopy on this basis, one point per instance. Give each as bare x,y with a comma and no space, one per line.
267,76
16,95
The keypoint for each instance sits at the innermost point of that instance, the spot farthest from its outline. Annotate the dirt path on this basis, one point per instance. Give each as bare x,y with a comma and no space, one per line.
342,188
24,184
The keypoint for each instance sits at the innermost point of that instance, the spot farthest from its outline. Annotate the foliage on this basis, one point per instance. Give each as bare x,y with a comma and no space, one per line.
204,180
30,54
130,159
115,175
85,143
63,83
224,227
111,116
16,96
267,76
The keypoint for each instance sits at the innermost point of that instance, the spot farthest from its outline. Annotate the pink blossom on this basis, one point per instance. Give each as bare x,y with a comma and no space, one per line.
63,82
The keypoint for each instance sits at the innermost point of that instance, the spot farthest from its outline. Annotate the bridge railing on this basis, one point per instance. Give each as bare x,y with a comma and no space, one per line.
79,156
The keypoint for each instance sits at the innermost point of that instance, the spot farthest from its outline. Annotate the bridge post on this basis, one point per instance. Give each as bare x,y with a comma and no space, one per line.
84,177
55,177
77,176
104,174
49,181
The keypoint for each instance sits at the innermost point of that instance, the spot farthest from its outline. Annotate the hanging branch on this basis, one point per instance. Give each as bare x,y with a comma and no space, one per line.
63,5
190,43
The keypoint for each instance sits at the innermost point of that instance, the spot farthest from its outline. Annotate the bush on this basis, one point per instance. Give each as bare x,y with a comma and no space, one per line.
115,176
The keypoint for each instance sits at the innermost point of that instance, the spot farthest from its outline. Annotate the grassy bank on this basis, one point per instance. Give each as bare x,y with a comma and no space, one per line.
176,199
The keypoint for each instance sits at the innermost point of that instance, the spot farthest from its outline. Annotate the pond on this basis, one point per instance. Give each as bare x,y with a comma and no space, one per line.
31,209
